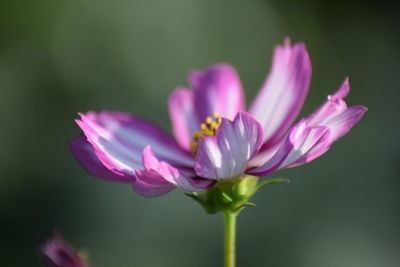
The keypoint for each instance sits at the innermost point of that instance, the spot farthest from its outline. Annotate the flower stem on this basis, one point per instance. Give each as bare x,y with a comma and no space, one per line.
230,238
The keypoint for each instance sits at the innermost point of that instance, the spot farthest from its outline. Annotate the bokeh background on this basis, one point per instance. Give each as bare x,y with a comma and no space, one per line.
61,57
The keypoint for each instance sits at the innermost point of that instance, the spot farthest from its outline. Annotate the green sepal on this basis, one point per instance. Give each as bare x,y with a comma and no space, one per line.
248,204
272,181
231,195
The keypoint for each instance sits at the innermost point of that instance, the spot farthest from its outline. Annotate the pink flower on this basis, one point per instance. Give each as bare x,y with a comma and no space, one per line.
57,253
215,139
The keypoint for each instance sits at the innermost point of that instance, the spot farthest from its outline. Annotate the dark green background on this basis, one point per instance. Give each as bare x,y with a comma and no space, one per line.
60,57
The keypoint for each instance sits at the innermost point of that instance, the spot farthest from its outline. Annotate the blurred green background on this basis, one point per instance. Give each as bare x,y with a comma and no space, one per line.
61,57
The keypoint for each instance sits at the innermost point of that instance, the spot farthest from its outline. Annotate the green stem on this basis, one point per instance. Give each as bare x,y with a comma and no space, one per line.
230,236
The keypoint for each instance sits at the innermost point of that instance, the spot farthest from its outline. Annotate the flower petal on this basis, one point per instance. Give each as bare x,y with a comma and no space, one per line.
313,135
267,164
308,144
183,117
57,253
150,183
335,114
227,154
159,177
168,172
217,89
332,107
342,123
85,155
282,95
119,138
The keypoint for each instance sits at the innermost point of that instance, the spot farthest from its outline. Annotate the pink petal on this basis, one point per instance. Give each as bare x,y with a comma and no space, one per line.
335,114
159,177
332,107
202,183
282,95
57,253
264,155
183,117
308,144
313,135
342,92
342,123
227,154
119,138
217,89
84,153
150,183
267,164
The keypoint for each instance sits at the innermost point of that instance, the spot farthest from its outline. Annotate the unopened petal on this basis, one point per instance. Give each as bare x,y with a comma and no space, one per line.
282,95
217,89
227,154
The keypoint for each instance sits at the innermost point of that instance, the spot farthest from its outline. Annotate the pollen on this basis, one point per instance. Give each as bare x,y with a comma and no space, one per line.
209,128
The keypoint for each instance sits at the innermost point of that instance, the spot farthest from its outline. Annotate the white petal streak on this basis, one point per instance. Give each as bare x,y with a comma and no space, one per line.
283,93
308,144
119,139
227,154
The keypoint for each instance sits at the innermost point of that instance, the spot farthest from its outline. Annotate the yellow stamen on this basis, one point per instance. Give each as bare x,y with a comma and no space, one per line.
214,126
196,135
209,128
193,146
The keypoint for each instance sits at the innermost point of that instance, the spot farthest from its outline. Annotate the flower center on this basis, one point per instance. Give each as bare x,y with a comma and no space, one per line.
209,128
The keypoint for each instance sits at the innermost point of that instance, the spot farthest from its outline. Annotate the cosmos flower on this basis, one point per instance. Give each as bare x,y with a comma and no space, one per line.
57,253
215,137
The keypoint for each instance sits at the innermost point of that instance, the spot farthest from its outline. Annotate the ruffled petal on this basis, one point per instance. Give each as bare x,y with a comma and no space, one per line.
282,95
313,135
183,117
227,154
332,107
119,139
85,155
159,177
335,114
217,89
